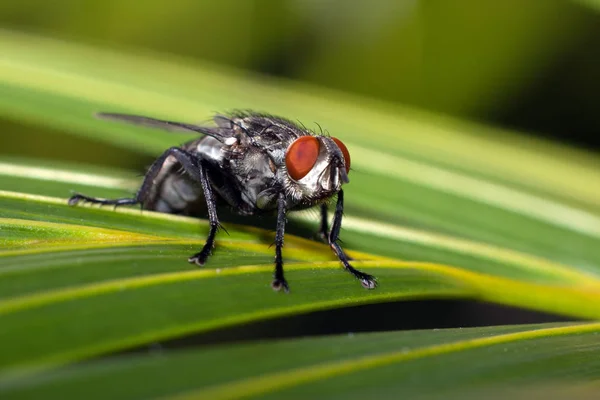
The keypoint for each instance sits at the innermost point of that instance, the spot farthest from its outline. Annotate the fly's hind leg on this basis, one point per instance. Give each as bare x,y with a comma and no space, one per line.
195,169
81,198
141,193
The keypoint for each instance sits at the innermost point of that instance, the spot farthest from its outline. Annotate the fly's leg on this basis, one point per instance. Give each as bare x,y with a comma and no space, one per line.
211,205
81,198
323,233
366,280
279,281
141,193
194,168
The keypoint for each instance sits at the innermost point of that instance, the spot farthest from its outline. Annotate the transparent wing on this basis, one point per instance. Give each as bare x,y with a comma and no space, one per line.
171,126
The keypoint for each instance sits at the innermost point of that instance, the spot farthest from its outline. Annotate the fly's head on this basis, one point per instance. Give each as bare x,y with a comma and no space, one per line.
316,168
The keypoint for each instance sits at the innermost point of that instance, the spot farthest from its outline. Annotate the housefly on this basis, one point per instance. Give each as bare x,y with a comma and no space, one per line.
254,163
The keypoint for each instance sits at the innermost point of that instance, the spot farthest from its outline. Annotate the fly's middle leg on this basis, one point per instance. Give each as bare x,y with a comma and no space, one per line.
211,205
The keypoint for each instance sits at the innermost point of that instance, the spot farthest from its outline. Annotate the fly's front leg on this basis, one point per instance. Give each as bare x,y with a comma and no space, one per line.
368,281
323,233
279,281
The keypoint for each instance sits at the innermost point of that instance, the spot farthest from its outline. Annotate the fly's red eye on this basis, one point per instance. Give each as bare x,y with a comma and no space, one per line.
301,156
345,152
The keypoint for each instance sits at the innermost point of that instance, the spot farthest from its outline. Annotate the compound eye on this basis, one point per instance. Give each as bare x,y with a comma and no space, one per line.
345,152
301,156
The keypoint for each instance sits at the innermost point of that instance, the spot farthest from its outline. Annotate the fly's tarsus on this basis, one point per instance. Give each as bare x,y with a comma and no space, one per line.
199,258
80,198
280,283
368,282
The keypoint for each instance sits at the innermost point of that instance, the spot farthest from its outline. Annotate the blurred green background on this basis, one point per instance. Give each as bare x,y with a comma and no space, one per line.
529,65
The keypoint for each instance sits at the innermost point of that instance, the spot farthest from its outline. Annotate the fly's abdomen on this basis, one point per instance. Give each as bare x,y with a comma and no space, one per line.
178,194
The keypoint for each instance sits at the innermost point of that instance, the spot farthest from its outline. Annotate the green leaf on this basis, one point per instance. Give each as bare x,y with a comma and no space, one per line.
88,262
485,361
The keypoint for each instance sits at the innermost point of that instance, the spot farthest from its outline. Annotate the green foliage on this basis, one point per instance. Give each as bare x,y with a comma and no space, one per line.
436,209
465,363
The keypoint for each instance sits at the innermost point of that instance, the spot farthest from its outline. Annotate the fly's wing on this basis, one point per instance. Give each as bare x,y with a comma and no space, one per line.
219,133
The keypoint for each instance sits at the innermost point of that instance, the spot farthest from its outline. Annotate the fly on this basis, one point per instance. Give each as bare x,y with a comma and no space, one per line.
254,163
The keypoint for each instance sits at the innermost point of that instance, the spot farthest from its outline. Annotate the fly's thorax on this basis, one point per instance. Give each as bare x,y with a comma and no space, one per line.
208,148
246,172
255,174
